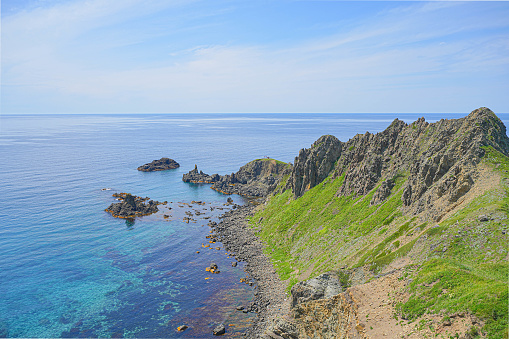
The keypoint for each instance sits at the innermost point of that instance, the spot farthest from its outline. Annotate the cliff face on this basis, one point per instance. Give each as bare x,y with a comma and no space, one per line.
424,206
314,164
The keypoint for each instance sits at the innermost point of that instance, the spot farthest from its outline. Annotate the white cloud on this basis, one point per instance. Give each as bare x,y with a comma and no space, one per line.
395,54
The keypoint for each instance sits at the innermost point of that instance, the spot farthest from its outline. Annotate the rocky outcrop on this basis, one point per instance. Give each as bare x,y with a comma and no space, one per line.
132,206
198,177
438,161
255,179
314,164
162,164
321,308
323,286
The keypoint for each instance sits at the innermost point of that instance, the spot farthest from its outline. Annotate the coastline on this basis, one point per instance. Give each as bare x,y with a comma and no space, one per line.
270,301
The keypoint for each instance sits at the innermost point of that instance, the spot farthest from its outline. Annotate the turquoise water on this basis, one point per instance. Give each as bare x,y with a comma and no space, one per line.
69,269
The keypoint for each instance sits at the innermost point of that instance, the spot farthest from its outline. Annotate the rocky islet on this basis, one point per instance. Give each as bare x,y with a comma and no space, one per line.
162,164
131,206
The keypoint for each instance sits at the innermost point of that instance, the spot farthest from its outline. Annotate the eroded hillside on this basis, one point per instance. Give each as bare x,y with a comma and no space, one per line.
429,201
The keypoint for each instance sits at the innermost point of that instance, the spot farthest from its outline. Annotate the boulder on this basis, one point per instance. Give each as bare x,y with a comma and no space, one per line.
219,330
325,285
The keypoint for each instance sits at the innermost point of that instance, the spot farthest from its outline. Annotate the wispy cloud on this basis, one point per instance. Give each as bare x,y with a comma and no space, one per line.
412,57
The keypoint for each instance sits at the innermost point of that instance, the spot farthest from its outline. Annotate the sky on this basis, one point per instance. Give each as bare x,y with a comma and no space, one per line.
235,56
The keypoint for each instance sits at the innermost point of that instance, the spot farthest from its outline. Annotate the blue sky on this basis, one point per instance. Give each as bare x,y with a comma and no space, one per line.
164,56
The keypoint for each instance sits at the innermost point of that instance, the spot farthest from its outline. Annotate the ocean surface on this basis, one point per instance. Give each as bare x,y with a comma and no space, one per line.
69,269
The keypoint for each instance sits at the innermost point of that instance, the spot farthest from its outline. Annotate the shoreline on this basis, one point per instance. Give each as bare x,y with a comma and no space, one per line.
270,300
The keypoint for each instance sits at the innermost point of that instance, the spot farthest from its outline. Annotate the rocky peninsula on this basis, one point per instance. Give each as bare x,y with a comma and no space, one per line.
255,179
162,164
402,233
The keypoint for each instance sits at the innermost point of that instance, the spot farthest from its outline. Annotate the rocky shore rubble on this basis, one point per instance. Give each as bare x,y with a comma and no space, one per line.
255,179
270,299
131,206
162,164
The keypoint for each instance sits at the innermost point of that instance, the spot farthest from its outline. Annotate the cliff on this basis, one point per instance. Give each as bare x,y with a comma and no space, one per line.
423,206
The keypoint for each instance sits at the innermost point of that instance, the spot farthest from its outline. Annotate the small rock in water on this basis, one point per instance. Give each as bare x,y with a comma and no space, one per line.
240,308
182,328
234,264
219,330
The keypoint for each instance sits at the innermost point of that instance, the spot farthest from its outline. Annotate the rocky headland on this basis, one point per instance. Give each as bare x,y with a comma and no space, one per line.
162,164
402,233
255,179
131,206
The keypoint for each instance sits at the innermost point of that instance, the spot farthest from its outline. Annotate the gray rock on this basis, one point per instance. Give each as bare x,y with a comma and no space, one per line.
159,165
314,164
219,330
131,206
325,285
255,179
382,192
483,218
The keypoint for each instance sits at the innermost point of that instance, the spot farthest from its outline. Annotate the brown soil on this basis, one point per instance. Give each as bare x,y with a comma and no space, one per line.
376,301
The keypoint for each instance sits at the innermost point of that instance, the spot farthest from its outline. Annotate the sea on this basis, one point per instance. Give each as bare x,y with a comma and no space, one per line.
70,269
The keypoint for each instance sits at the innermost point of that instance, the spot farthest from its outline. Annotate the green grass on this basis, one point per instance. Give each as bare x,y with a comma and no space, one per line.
270,159
381,249
299,231
472,274
461,263
452,287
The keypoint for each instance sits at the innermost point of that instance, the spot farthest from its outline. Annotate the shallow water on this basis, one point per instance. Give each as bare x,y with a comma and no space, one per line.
70,269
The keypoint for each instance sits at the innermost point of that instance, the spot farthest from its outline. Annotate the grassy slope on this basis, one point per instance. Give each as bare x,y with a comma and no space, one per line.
465,259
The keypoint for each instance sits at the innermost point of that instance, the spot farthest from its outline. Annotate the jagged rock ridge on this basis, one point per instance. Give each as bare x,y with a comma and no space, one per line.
314,164
439,160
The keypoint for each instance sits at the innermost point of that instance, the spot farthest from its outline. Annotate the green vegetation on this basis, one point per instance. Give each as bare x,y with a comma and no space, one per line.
471,275
270,159
310,230
381,249
459,265
444,285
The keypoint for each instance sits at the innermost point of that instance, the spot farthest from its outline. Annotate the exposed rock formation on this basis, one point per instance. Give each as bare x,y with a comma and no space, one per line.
255,179
314,164
131,206
198,177
323,286
438,160
321,308
159,165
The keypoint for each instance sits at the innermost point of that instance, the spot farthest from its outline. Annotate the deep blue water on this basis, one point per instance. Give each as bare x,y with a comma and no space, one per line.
67,268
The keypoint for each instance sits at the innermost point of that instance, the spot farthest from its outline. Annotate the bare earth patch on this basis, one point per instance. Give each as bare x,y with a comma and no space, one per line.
376,301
